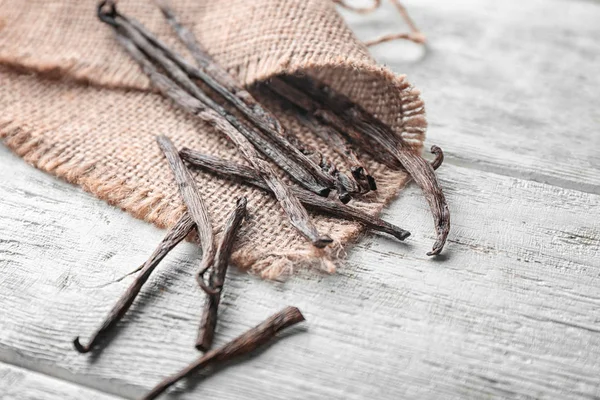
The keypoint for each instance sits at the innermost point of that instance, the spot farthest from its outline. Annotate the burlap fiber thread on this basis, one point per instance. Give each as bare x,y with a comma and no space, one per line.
73,104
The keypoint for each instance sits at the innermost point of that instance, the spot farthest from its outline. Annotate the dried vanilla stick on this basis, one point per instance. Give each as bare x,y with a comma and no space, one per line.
243,344
316,203
194,203
306,115
175,235
271,140
293,208
216,280
264,144
384,140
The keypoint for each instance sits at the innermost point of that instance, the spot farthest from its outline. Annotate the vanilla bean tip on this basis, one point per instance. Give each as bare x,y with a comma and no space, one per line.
162,140
322,241
439,157
357,170
242,202
324,192
345,197
79,347
437,248
442,229
371,182
291,315
107,16
402,234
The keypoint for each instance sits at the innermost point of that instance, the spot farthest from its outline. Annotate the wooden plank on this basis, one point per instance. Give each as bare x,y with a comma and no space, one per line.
510,312
22,384
510,86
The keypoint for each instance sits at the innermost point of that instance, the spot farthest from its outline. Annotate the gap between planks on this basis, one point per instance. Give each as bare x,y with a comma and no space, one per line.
22,383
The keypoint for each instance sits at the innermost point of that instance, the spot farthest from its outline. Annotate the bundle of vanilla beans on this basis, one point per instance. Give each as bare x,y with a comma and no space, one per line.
261,140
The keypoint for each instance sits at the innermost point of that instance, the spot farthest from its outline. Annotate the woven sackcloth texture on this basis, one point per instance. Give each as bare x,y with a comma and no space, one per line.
73,104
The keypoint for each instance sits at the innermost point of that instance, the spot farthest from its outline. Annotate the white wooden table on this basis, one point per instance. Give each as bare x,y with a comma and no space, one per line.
511,310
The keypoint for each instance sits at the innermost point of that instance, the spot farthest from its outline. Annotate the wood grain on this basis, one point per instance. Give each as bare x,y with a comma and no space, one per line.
511,312
22,384
509,86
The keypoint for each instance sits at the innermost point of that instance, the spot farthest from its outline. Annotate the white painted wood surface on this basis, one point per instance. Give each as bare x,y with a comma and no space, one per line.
512,310
23,384
510,86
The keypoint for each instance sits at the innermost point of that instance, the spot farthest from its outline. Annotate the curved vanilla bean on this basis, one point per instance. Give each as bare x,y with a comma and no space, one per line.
219,80
293,208
258,139
418,168
439,157
318,204
289,95
243,344
175,235
216,280
194,203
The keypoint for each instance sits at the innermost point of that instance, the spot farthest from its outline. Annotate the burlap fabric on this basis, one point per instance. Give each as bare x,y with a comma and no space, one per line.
73,104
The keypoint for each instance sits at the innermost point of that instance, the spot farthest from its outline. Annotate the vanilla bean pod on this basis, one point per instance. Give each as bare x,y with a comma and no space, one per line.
243,344
315,108
305,109
265,145
216,279
194,203
275,145
296,213
418,168
439,157
248,175
222,82
175,235
344,187
327,133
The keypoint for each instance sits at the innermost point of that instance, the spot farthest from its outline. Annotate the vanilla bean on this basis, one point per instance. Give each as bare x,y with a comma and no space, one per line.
418,168
439,157
273,151
360,140
289,95
243,344
339,144
296,213
175,235
315,108
248,175
296,164
218,79
343,185
216,280
194,203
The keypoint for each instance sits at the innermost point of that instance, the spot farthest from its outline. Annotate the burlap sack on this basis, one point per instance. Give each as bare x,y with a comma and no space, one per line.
73,104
